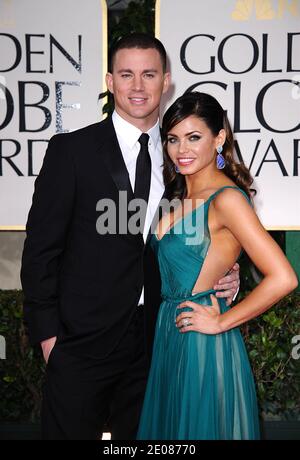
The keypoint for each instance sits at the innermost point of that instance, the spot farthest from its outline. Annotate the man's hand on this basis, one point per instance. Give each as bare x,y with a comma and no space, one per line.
47,346
229,285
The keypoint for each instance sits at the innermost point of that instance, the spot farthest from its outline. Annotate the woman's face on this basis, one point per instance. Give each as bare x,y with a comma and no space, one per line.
192,146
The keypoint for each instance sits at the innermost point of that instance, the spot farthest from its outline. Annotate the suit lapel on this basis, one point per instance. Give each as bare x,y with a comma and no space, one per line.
114,162
113,158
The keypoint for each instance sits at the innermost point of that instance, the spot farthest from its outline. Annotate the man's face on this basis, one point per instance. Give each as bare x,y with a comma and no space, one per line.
137,82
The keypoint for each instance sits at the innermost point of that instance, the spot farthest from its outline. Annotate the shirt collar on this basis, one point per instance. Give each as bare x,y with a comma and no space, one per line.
130,133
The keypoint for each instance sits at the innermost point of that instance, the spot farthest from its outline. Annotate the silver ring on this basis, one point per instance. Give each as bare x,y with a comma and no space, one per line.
186,322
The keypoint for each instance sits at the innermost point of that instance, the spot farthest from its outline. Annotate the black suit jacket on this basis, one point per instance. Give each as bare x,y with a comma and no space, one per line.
79,285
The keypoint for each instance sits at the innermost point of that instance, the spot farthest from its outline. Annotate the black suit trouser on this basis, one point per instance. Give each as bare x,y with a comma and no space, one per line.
82,394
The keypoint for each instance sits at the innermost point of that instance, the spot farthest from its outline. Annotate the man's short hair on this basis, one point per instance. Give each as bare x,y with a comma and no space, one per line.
141,41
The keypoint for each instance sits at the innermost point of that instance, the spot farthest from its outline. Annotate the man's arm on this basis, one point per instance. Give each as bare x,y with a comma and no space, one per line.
47,227
229,285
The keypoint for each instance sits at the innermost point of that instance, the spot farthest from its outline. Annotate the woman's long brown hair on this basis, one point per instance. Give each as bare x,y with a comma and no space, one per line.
208,109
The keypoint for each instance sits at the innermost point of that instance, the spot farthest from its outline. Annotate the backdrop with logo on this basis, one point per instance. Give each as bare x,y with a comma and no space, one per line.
246,53
52,65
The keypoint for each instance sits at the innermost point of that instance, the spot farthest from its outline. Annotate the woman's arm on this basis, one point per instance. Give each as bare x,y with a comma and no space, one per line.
279,277
234,212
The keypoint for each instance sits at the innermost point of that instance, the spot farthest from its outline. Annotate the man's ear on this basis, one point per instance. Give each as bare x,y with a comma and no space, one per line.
167,81
109,82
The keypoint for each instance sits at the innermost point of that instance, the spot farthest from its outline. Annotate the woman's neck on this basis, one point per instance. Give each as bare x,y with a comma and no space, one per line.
202,180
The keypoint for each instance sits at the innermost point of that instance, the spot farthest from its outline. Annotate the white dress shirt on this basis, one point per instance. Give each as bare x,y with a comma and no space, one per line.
128,136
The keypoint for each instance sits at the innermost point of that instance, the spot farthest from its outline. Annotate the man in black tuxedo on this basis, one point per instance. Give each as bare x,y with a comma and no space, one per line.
84,297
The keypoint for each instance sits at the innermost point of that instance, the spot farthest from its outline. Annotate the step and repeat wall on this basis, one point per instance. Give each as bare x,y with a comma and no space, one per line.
53,57
246,53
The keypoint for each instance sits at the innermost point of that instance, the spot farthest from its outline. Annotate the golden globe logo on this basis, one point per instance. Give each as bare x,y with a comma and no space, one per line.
263,9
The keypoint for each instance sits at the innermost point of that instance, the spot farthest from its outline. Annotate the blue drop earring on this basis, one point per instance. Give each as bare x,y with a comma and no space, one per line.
221,163
177,170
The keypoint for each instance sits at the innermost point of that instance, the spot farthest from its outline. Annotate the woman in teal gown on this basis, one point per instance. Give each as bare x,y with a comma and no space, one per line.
200,384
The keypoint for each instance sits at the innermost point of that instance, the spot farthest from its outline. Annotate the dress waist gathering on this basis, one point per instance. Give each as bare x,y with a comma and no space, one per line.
192,297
